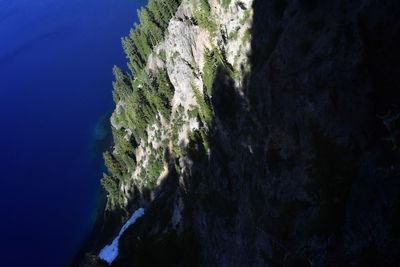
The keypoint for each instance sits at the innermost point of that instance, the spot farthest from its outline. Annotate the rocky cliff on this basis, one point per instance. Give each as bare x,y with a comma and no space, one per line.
281,147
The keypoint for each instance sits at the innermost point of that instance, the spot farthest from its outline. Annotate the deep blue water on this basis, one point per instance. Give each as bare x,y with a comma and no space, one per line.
56,59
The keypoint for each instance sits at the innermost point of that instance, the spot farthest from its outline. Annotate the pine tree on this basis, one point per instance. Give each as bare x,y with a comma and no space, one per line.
113,166
110,184
121,85
159,16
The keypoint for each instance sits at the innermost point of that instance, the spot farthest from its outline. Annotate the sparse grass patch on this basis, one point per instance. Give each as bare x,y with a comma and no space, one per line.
246,16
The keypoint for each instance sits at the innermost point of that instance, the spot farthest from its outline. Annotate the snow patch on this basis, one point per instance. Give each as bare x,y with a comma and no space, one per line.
110,252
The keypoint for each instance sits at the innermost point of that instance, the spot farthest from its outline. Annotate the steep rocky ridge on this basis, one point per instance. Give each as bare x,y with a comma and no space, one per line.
183,49
299,165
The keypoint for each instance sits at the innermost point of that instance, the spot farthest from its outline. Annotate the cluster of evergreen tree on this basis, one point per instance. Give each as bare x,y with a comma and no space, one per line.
145,98
154,19
119,164
144,95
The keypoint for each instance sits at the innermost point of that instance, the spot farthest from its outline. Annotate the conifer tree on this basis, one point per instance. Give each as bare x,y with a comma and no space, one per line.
121,85
141,95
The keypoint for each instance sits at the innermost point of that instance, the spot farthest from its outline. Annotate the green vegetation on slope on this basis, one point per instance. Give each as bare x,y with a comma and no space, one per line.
145,36
212,59
141,97
225,3
203,17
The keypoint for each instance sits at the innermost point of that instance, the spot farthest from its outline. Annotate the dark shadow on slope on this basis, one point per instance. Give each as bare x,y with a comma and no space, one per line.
321,72
301,169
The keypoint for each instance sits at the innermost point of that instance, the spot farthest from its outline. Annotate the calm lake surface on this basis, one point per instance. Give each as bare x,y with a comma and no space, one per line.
56,59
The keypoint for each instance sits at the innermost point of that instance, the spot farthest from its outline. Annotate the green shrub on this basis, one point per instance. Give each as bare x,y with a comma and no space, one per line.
225,3
246,36
233,35
110,184
246,16
205,111
154,168
203,17
212,59
204,139
162,55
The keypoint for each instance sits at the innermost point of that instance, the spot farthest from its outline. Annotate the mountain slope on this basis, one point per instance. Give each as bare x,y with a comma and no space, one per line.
278,145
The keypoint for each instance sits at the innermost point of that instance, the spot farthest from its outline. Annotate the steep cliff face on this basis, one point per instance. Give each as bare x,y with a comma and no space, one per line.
200,37
286,151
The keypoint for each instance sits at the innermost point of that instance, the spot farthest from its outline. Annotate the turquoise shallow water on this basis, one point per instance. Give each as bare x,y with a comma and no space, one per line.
56,59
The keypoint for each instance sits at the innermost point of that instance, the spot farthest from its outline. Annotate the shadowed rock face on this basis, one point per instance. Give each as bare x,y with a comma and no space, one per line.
302,169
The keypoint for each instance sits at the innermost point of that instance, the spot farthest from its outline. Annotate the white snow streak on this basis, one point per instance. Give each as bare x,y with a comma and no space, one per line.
110,252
